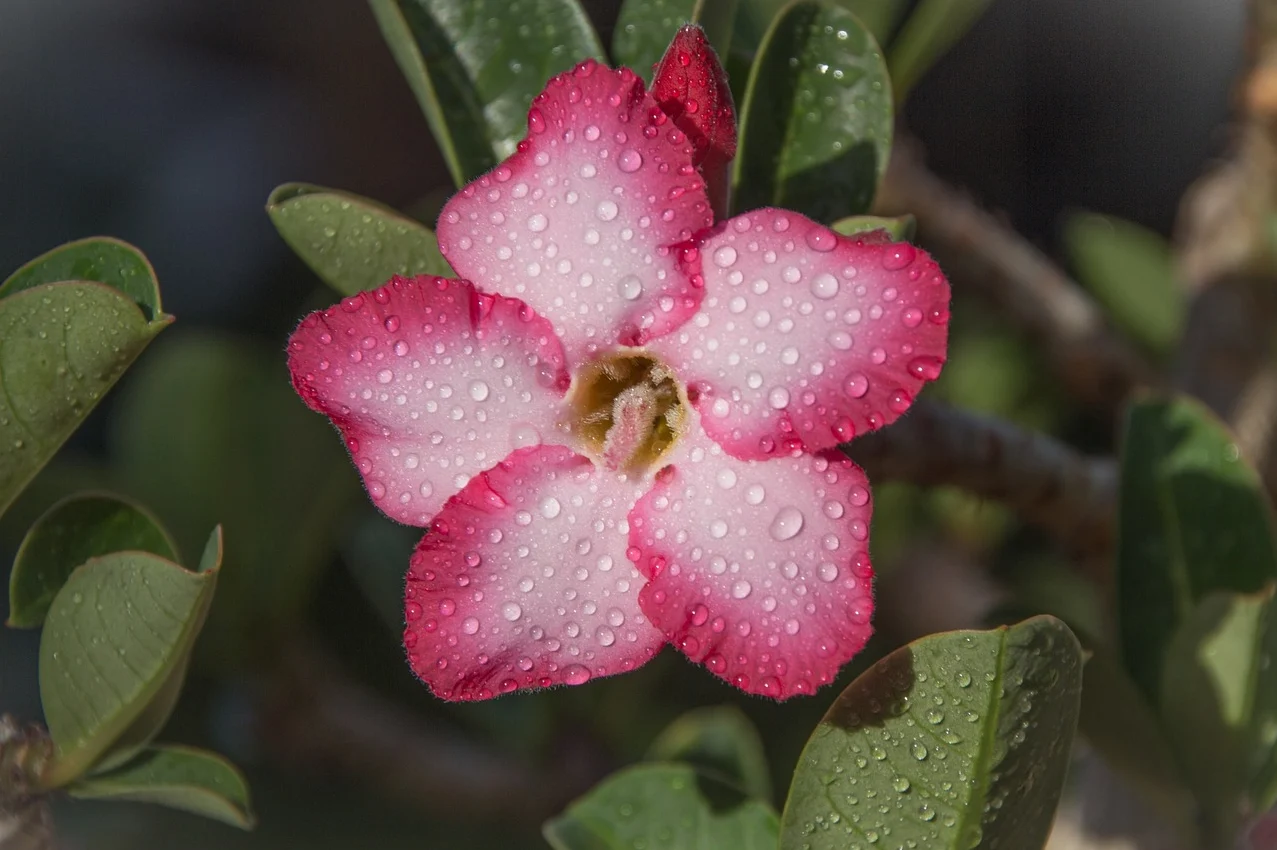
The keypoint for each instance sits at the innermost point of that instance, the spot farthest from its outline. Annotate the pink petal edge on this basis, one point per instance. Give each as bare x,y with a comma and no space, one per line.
580,220
806,338
523,581
429,383
758,570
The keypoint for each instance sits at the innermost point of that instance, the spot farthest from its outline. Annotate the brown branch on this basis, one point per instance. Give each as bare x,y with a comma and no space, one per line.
982,254
318,717
1225,237
1050,485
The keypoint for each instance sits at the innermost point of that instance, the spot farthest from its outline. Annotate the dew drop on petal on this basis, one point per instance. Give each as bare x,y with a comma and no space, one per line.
786,524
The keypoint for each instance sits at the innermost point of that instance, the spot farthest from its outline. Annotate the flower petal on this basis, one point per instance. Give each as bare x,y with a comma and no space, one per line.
759,570
579,221
691,87
523,581
805,337
430,383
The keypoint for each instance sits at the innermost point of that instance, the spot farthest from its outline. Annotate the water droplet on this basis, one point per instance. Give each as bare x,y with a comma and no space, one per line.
821,239
901,784
629,161
964,679
575,674
786,524
918,750
824,285
607,210
478,390
630,287
537,222
511,611
725,256
898,256
550,507
470,625
741,589
856,385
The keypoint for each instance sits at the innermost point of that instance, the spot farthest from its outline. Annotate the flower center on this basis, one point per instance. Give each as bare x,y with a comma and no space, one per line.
628,410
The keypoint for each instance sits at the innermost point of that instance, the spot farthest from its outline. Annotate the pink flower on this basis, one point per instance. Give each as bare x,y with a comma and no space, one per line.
622,434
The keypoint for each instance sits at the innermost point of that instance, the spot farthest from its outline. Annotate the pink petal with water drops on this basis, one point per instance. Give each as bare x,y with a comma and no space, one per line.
807,338
578,222
523,581
758,570
430,383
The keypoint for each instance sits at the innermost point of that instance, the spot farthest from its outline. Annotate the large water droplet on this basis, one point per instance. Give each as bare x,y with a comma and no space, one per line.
630,287
478,390
786,524
824,285
629,161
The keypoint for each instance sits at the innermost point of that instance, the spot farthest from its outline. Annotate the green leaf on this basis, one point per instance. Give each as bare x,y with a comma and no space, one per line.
1219,701
117,631
899,228
70,533
208,431
1119,722
934,27
958,740
475,66
62,346
645,28
180,778
664,806
352,243
879,16
817,121
99,259
1131,271
718,742
1193,517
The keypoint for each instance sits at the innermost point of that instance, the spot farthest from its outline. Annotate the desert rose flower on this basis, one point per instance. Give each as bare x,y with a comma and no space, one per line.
620,425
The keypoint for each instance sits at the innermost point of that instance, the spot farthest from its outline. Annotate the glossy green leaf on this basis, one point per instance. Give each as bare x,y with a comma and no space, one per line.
70,533
880,17
669,806
1193,517
119,628
900,228
99,259
958,740
1219,701
352,243
645,28
62,346
475,66
179,777
718,742
934,27
210,431
1132,273
816,125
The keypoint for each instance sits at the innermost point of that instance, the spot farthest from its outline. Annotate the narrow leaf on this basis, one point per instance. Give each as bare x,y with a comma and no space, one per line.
718,742
934,27
62,346
1193,517
667,806
352,243
70,533
99,259
816,126
1131,271
959,740
645,28
180,778
475,66
1219,700
120,626
899,228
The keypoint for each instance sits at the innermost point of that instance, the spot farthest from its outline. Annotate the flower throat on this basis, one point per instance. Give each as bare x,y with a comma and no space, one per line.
628,410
